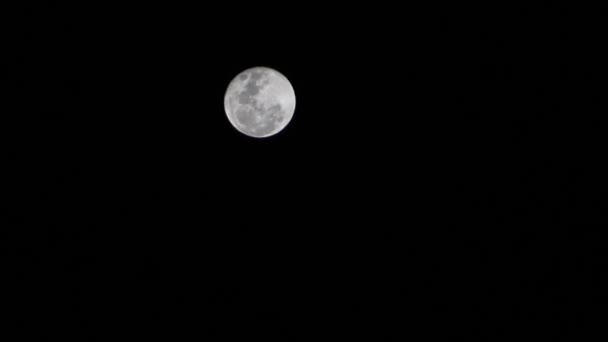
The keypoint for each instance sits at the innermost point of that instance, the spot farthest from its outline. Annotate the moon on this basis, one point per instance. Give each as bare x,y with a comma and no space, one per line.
260,102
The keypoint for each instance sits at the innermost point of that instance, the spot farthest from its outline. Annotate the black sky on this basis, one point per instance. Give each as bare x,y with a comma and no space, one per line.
411,193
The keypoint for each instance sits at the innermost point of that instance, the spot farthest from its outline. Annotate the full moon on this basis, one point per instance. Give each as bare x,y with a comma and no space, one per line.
260,102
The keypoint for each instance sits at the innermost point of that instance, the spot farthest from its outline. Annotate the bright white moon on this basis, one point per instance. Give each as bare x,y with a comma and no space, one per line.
260,102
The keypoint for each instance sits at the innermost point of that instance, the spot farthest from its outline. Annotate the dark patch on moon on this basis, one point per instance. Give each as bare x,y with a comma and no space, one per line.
245,116
257,75
275,113
251,90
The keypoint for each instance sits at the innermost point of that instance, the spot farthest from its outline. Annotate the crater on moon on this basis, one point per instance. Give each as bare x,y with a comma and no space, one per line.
259,102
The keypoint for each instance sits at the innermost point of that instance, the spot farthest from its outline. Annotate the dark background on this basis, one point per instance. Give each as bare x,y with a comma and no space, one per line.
440,175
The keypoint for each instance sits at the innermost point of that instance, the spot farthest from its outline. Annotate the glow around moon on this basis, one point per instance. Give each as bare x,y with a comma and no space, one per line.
260,102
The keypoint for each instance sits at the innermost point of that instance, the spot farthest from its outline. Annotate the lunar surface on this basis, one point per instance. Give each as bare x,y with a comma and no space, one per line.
260,102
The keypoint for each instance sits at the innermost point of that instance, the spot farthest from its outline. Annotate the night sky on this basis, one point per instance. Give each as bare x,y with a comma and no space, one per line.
439,176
